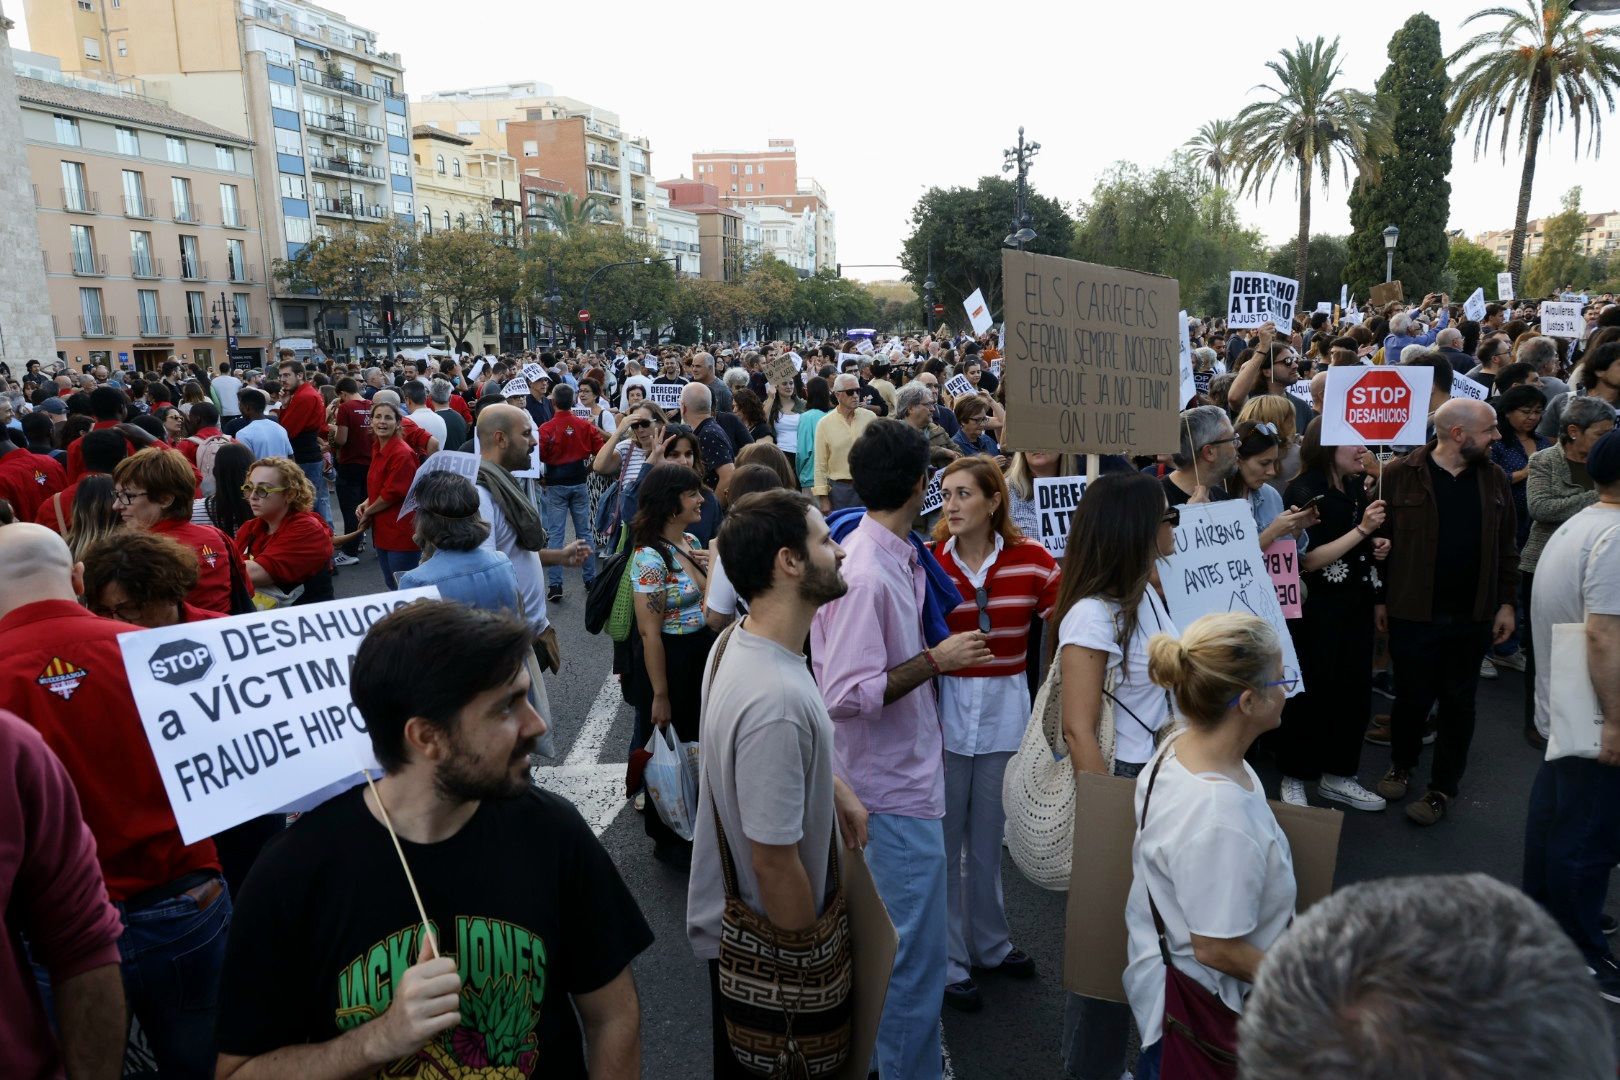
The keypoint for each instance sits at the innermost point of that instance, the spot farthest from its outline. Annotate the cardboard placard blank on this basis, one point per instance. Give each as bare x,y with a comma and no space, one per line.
873,943
1094,939
1383,294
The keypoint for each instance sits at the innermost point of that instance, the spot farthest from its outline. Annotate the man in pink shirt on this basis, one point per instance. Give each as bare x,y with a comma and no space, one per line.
874,669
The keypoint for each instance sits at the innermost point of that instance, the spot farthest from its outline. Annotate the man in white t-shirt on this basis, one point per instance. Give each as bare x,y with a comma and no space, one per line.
224,389
422,414
1572,835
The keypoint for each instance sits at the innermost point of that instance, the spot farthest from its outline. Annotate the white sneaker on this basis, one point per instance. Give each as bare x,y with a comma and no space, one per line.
1487,670
1348,790
1512,661
343,558
1293,791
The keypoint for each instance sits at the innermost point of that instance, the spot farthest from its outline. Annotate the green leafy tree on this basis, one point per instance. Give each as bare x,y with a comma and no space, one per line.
772,286
1327,256
637,295
354,267
464,274
1474,267
1562,259
1169,221
966,227
1543,63
1212,148
1306,126
1409,188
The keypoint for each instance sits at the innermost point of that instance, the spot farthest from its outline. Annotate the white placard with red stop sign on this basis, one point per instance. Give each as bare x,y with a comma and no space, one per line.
1376,406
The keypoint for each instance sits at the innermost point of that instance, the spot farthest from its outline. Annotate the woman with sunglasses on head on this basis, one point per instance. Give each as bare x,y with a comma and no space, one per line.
286,546
1006,581
1323,727
1258,448
1278,411
1110,604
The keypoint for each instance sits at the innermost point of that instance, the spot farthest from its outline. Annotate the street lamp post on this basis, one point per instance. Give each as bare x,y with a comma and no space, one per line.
928,290
1020,158
1392,236
221,309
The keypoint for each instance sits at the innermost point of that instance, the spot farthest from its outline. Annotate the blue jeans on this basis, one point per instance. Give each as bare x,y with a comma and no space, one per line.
1147,1062
395,563
907,859
171,955
1571,843
316,471
558,503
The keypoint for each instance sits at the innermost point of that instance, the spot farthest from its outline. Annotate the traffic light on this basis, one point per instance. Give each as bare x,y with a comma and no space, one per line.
388,312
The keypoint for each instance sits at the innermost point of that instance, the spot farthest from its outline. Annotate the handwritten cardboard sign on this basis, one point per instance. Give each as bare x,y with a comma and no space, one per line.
1383,294
1282,563
1056,498
1091,364
249,714
780,374
1256,298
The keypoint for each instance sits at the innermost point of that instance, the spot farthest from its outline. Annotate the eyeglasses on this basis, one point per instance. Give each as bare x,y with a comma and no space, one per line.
261,491
122,497
981,596
1172,516
1288,682
124,612
640,425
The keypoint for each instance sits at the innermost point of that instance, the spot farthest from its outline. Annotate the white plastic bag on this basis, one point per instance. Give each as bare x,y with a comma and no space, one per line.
672,780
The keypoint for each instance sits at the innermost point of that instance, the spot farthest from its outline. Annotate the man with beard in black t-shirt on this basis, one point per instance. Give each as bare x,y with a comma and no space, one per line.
329,971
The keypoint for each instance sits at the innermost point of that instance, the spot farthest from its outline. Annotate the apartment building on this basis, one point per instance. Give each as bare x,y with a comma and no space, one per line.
25,310
322,105
148,226
769,229
676,232
770,177
720,228
1601,236
555,137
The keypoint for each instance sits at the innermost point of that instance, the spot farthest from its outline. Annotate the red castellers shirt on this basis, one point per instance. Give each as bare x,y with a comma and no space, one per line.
75,452
292,554
459,404
27,479
1023,583
393,465
61,670
567,442
304,417
354,417
63,499
215,551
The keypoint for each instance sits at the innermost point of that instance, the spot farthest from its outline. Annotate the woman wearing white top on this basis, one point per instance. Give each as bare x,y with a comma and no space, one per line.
1109,606
1209,856
783,406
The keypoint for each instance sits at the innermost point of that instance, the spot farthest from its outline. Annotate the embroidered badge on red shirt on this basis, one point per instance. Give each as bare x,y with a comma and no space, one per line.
62,677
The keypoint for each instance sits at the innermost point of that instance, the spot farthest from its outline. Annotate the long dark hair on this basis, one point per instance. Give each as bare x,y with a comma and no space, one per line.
681,431
226,507
1113,544
657,500
817,395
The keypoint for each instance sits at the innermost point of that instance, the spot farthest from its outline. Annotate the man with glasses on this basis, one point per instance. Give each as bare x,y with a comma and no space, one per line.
835,435
1276,365
1208,455
943,416
1453,573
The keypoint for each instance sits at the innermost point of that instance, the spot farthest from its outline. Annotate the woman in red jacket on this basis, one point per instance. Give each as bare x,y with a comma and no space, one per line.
388,478
153,491
285,545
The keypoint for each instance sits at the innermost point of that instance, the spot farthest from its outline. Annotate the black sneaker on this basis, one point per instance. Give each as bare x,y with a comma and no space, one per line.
964,996
554,594
1018,964
1605,971
1607,924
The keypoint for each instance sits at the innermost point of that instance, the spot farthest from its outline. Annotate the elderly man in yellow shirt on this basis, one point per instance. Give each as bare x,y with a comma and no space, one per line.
835,434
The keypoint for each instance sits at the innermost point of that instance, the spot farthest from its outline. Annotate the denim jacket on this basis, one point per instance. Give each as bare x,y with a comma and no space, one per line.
479,578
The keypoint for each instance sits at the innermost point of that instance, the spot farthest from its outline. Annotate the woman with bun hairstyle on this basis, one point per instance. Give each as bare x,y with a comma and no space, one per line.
1210,864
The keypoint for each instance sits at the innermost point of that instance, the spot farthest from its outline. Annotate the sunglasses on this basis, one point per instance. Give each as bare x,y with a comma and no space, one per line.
1265,427
640,425
1172,516
843,392
981,597
261,491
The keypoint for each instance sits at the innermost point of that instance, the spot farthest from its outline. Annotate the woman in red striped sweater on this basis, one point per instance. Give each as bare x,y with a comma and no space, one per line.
1006,581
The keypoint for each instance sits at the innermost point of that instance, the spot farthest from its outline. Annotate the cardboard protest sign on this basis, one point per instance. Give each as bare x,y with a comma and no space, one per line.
442,461
1560,318
933,495
666,396
1189,384
1094,931
1217,567
1383,294
1301,389
1324,307
1055,500
780,373
1504,286
1474,306
873,943
534,373
1257,298
1091,362
515,388
581,411
978,312
477,370
1376,405
1202,379
248,714
1463,386
1282,563
1344,296
959,386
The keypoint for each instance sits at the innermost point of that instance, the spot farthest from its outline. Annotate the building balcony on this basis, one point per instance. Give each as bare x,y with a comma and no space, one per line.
638,167
105,326
231,217
187,214
242,275
193,270
342,166
145,268
606,161
152,326
340,207
139,206
342,84
80,200
343,125
601,187
87,264
638,194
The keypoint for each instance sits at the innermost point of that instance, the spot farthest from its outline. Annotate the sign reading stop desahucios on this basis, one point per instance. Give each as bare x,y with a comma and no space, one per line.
1376,406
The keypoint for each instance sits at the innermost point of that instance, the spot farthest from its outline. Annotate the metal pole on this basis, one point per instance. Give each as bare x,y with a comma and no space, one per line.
1389,265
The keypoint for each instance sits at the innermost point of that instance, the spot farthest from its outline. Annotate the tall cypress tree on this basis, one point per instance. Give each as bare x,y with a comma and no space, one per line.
1412,192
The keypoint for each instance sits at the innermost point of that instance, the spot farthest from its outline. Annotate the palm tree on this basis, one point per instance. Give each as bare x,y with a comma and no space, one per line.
569,214
1542,60
1212,148
1307,126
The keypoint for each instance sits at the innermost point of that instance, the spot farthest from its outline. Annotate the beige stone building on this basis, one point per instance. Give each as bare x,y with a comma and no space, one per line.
770,178
148,224
1602,236
25,320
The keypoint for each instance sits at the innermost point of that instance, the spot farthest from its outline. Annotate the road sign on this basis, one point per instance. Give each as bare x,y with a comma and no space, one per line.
584,316
230,342
939,309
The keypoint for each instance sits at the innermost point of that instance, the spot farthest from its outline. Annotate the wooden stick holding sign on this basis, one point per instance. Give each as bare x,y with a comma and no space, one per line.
427,929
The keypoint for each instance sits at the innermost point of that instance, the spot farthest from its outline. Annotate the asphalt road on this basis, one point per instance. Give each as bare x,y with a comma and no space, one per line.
1017,1032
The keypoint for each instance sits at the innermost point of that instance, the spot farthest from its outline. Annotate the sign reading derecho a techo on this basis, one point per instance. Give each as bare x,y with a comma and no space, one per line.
1092,357
248,714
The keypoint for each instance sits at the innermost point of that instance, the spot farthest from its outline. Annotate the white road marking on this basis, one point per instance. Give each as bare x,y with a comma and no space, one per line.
594,786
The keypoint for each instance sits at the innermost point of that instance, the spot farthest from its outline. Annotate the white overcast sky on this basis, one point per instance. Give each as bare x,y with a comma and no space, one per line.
885,100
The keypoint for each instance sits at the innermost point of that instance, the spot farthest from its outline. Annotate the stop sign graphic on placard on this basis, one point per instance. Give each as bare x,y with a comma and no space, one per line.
1378,405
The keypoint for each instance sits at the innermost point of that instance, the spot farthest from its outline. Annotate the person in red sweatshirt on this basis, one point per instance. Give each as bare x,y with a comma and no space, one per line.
304,416
27,479
101,452
62,670
153,491
107,405
568,443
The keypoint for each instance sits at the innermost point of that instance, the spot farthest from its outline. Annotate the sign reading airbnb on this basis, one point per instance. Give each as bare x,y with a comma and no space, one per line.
1377,405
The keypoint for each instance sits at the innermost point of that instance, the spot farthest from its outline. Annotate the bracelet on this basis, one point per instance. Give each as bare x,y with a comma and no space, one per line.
1364,533
929,656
